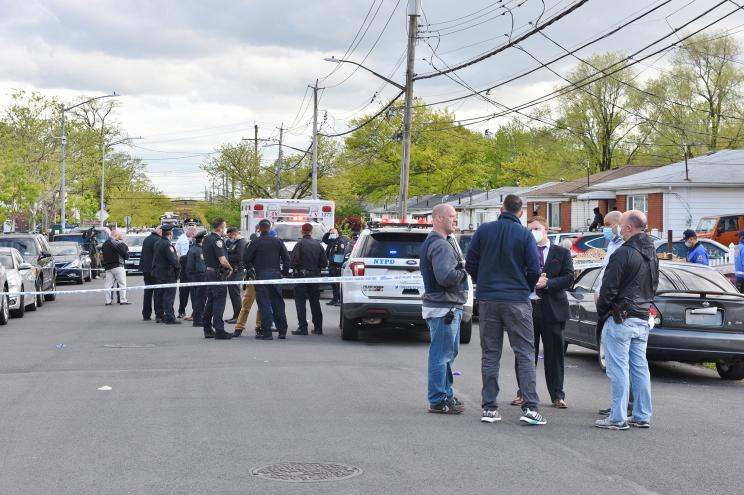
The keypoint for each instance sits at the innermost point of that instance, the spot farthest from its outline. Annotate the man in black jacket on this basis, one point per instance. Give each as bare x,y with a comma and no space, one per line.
335,252
550,309
628,289
235,246
308,259
165,268
115,252
269,258
197,272
145,266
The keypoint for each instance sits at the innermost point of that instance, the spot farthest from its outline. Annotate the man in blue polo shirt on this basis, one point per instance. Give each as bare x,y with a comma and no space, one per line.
697,253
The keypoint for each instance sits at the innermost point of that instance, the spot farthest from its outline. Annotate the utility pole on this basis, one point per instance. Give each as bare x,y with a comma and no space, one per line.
255,140
687,171
62,196
315,142
278,172
413,12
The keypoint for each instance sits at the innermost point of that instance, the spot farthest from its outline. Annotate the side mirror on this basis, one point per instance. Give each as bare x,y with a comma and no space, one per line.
25,266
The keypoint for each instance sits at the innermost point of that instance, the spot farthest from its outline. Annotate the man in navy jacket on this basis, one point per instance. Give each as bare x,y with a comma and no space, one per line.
502,259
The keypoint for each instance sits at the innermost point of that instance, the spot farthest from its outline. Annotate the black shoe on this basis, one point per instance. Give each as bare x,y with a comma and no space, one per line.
181,316
264,336
231,321
282,336
317,332
108,304
125,303
209,335
639,424
158,320
299,332
223,336
146,318
331,303
446,407
237,332
172,322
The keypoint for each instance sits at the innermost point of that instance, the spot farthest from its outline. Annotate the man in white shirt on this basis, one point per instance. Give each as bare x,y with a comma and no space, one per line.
182,249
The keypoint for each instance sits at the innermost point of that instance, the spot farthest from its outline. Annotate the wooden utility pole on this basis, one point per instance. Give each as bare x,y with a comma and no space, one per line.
278,172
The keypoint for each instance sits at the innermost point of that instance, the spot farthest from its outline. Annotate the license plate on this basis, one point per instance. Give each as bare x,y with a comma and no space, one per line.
711,318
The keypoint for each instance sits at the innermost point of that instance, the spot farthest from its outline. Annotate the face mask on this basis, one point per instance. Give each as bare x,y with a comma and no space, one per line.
608,232
538,235
332,237
688,244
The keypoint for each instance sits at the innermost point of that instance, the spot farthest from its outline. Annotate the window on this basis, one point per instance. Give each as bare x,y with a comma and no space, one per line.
638,202
480,218
554,215
393,245
27,247
706,225
586,280
728,224
7,261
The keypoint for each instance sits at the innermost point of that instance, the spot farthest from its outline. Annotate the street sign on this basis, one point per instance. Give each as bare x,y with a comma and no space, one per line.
127,220
102,215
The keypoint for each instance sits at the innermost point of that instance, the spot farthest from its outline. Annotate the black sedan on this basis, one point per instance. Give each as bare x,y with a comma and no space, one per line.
698,317
71,262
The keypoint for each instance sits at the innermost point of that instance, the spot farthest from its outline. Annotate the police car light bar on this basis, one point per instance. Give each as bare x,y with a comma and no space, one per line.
402,222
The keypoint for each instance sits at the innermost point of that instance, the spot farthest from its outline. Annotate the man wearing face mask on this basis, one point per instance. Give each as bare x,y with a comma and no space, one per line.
697,253
611,232
549,310
335,248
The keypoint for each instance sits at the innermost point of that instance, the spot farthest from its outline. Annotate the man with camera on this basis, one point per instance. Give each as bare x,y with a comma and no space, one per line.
628,289
308,259
445,292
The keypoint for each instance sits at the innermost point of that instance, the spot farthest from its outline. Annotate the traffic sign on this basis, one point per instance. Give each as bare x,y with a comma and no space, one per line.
102,215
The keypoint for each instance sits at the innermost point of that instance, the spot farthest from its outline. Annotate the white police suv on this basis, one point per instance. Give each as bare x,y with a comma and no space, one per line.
389,249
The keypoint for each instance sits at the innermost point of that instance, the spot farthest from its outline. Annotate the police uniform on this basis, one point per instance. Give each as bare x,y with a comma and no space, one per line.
197,272
145,266
308,259
336,254
235,250
165,268
214,308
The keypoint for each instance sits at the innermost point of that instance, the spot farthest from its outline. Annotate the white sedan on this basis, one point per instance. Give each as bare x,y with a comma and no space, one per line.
20,276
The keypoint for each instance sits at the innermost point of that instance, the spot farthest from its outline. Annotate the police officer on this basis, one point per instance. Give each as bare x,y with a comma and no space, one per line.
696,253
308,259
218,268
165,268
197,272
235,245
335,252
145,266
269,258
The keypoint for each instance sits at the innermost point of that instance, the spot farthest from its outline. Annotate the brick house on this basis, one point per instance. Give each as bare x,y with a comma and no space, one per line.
676,196
569,206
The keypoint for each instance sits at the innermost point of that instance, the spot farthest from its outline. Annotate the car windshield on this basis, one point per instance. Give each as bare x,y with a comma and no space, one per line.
6,261
293,232
27,247
706,224
134,240
394,245
63,249
70,238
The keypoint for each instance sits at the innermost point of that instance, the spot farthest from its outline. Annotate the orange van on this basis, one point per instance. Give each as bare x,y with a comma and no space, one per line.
721,228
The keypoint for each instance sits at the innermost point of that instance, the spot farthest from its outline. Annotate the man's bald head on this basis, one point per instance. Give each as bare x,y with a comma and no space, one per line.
612,218
632,222
444,218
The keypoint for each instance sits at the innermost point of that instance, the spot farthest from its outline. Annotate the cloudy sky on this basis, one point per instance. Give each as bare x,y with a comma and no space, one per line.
196,74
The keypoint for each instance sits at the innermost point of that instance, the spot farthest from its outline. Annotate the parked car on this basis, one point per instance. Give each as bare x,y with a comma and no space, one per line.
716,250
721,228
71,261
389,250
134,242
36,251
4,300
698,317
94,254
19,277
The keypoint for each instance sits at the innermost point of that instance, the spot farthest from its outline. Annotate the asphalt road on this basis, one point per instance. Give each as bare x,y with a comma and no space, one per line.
187,415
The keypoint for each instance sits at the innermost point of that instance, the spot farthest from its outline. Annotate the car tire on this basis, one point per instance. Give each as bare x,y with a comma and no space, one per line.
5,308
349,328
466,331
40,297
81,279
52,297
601,359
18,313
730,371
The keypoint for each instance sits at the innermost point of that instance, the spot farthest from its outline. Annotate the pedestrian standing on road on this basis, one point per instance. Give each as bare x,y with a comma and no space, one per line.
165,268
696,251
249,297
183,243
550,310
628,289
151,295
115,252
739,263
235,246
218,270
445,292
503,261
269,258
307,260
197,270
335,249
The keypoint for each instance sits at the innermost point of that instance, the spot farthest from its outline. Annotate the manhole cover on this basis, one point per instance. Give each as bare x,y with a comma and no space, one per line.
129,346
306,472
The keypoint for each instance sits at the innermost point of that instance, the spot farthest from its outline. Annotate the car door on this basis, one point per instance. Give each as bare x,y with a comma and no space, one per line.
728,230
581,302
46,262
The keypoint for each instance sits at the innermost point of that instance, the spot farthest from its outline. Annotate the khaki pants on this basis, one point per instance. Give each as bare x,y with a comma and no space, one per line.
249,297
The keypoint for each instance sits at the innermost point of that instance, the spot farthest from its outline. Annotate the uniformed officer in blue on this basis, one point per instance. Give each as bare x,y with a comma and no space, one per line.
697,253
197,272
165,268
218,269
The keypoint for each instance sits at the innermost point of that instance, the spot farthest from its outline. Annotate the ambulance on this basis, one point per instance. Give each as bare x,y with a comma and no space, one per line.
287,217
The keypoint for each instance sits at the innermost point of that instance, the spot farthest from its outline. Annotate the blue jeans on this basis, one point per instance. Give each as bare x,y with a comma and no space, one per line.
445,343
625,352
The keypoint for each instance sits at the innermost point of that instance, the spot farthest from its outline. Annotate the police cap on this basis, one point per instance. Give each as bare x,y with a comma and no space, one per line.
167,228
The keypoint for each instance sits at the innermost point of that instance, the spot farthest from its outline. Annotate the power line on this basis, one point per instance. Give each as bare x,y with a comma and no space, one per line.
371,119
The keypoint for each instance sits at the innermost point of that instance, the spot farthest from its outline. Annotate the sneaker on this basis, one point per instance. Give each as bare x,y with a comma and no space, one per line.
532,417
490,416
606,412
639,424
611,425
446,407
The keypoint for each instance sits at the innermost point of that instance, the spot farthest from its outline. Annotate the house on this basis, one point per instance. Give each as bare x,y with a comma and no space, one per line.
488,206
676,196
569,207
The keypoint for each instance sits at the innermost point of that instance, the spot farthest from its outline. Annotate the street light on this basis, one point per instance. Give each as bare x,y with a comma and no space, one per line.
105,147
63,139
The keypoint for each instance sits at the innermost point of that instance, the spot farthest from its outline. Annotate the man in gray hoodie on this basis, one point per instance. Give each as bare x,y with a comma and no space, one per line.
445,292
